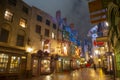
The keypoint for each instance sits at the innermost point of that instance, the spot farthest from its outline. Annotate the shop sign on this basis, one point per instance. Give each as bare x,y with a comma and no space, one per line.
100,43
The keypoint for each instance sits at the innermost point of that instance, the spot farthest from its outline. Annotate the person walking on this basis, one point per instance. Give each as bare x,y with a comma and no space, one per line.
94,66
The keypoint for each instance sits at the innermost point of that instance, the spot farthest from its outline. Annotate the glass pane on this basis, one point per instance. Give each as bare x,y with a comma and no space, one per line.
8,15
15,64
4,35
45,66
35,67
3,62
22,23
20,40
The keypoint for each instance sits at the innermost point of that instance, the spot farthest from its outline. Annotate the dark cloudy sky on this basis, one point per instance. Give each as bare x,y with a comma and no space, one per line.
76,11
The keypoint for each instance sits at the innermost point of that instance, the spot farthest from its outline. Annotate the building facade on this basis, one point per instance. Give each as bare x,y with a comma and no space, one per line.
32,42
114,19
98,14
14,31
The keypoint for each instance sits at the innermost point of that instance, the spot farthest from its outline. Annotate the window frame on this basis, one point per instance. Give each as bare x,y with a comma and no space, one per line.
38,29
47,22
23,24
25,9
47,32
4,38
20,40
8,15
54,26
39,18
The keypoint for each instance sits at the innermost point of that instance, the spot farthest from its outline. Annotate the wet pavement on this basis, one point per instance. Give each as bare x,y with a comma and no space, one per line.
84,74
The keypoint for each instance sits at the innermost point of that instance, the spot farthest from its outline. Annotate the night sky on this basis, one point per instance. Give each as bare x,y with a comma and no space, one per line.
76,11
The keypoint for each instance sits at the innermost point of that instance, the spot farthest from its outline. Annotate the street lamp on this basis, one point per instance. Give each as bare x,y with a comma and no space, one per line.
106,23
29,49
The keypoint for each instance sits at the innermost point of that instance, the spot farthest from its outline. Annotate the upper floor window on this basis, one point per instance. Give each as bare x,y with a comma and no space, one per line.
38,29
4,34
25,9
20,40
8,15
54,26
39,18
48,22
47,32
23,22
12,2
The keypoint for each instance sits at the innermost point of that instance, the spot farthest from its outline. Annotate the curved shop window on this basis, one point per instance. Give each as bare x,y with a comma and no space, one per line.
45,66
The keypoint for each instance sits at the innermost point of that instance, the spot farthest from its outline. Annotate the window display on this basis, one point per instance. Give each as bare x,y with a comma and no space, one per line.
3,62
35,66
15,63
45,66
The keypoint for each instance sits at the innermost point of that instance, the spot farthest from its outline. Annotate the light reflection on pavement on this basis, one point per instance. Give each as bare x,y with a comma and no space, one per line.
84,74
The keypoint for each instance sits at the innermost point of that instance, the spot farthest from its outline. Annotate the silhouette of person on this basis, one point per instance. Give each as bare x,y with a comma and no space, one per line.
94,66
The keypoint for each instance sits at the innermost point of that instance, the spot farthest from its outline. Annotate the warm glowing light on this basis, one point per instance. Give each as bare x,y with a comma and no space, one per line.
45,61
22,23
23,57
96,51
106,23
29,49
85,62
59,59
65,50
53,35
113,54
99,60
91,56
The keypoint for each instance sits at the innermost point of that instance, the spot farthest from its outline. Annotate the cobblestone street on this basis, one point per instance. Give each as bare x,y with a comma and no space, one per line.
84,74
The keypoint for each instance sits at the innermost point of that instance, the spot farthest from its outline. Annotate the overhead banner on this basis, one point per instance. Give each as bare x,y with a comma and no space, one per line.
95,5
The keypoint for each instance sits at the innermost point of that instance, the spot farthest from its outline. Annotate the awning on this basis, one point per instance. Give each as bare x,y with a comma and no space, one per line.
103,39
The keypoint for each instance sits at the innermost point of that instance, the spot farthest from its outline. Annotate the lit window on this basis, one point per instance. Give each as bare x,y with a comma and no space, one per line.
53,35
8,15
23,22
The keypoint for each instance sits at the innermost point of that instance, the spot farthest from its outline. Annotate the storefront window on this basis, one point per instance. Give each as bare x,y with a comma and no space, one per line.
35,67
66,64
45,66
14,65
3,62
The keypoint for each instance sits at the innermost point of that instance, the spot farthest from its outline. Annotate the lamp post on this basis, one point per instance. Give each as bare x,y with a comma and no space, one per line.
29,50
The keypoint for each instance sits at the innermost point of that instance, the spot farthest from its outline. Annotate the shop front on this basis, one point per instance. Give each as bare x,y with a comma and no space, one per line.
35,66
45,66
65,63
41,64
108,65
12,61
58,65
